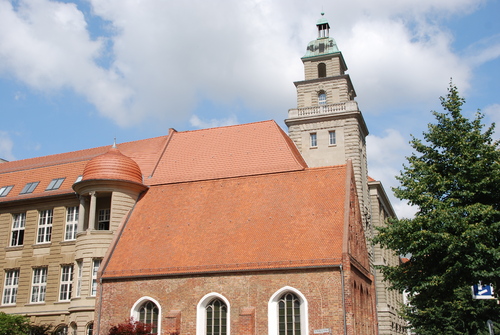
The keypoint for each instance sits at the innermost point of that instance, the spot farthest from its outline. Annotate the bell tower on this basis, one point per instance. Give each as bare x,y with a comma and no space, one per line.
327,125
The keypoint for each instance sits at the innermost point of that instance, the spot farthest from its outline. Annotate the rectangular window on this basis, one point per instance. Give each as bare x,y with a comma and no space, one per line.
18,224
29,187
314,140
66,282
79,266
95,267
10,287
332,137
55,184
103,219
5,190
39,285
45,226
71,223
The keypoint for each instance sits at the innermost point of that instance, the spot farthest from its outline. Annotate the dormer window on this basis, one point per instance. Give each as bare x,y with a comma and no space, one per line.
5,190
55,184
29,187
321,70
322,98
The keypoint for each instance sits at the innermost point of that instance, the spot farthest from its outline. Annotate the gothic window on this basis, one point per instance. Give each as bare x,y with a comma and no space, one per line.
147,310
213,315
321,70
216,312
90,329
61,330
288,313
148,314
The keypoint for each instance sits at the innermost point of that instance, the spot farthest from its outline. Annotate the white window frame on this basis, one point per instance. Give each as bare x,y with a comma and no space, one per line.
322,98
66,283
89,329
273,313
18,225
79,275
44,233
313,140
201,315
71,223
38,285
332,137
134,312
10,287
104,217
93,282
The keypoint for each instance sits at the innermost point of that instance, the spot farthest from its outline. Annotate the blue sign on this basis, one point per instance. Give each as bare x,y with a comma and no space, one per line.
480,291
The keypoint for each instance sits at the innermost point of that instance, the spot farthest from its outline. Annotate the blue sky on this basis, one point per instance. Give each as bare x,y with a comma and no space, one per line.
76,74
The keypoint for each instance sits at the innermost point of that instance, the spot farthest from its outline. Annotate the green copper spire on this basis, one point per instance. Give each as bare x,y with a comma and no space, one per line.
324,44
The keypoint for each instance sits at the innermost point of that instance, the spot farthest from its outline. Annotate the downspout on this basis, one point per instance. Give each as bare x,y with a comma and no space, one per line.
343,299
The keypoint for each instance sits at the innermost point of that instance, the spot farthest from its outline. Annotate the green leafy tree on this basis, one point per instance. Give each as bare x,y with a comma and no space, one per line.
453,178
13,324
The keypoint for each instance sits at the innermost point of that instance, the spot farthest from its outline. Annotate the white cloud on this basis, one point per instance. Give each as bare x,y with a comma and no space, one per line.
6,145
385,157
166,56
196,122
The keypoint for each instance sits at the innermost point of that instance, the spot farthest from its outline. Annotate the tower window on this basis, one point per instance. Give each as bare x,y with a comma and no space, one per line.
322,98
332,137
314,140
321,70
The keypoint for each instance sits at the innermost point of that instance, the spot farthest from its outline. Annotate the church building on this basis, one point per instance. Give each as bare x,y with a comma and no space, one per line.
242,229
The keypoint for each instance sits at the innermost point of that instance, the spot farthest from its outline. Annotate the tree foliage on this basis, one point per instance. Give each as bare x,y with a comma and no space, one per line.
13,324
131,327
453,178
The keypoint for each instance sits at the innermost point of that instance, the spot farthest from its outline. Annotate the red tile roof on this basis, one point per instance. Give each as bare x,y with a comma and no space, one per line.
112,165
248,149
278,220
240,150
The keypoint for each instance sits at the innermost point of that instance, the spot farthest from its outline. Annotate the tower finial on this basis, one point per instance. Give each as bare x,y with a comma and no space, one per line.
114,143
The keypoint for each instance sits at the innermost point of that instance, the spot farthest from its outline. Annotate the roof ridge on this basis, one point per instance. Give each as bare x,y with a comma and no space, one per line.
228,126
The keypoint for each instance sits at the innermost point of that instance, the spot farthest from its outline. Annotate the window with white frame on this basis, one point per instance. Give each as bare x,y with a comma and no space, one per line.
213,315
18,225
147,310
103,219
95,267
79,268
10,287
66,282
45,226
322,98
71,223
39,285
332,137
287,313
313,140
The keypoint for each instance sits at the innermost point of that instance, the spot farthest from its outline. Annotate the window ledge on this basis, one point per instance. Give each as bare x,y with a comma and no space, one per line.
42,245
14,248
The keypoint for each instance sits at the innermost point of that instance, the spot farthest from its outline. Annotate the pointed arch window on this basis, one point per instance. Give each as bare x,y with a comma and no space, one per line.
147,310
287,313
216,312
321,70
213,315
